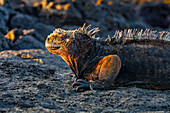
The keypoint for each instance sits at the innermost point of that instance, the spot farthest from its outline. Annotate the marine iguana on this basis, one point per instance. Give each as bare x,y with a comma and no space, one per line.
129,58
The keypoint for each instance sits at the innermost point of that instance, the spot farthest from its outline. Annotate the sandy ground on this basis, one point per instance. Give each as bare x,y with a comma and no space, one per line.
35,80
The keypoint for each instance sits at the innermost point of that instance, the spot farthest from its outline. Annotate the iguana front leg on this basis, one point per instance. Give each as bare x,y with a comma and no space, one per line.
104,74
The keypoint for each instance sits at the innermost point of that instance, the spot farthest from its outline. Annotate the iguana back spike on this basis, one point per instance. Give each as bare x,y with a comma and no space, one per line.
166,36
71,33
86,31
88,28
108,39
160,35
122,37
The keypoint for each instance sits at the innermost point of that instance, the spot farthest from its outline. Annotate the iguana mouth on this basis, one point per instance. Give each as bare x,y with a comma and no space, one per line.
52,46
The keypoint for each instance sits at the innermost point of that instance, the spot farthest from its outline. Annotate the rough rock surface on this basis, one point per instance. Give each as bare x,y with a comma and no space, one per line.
159,15
3,43
30,80
24,39
3,20
22,21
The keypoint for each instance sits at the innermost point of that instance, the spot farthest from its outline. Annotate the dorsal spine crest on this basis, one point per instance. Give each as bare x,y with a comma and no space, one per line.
120,37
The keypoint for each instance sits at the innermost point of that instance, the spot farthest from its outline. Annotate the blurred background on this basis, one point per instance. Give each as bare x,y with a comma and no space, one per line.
25,24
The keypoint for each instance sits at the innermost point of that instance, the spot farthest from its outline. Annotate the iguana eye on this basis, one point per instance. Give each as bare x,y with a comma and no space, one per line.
67,40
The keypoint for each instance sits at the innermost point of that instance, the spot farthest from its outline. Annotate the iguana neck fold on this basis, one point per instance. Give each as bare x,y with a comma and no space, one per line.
81,57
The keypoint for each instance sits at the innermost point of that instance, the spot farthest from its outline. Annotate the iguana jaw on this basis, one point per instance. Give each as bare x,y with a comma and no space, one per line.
53,48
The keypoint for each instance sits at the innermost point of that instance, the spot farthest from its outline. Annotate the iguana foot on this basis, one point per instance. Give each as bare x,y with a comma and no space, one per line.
82,85
104,75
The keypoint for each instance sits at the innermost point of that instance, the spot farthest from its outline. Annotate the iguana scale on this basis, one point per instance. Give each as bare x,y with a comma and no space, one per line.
129,58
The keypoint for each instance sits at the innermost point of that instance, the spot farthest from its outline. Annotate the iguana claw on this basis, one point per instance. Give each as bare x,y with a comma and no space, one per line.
81,80
81,84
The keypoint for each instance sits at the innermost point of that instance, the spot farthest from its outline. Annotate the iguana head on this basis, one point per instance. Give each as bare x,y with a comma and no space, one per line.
61,41
58,41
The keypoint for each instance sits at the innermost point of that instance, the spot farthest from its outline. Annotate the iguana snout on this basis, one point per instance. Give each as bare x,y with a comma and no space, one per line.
52,45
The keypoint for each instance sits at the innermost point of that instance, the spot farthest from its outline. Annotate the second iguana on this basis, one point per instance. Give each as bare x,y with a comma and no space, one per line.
129,58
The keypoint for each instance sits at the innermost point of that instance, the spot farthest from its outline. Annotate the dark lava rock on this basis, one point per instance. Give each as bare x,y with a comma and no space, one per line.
43,30
116,22
59,12
27,42
157,15
14,34
22,21
3,20
4,43
4,15
24,39
138,25
89,10
3,27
